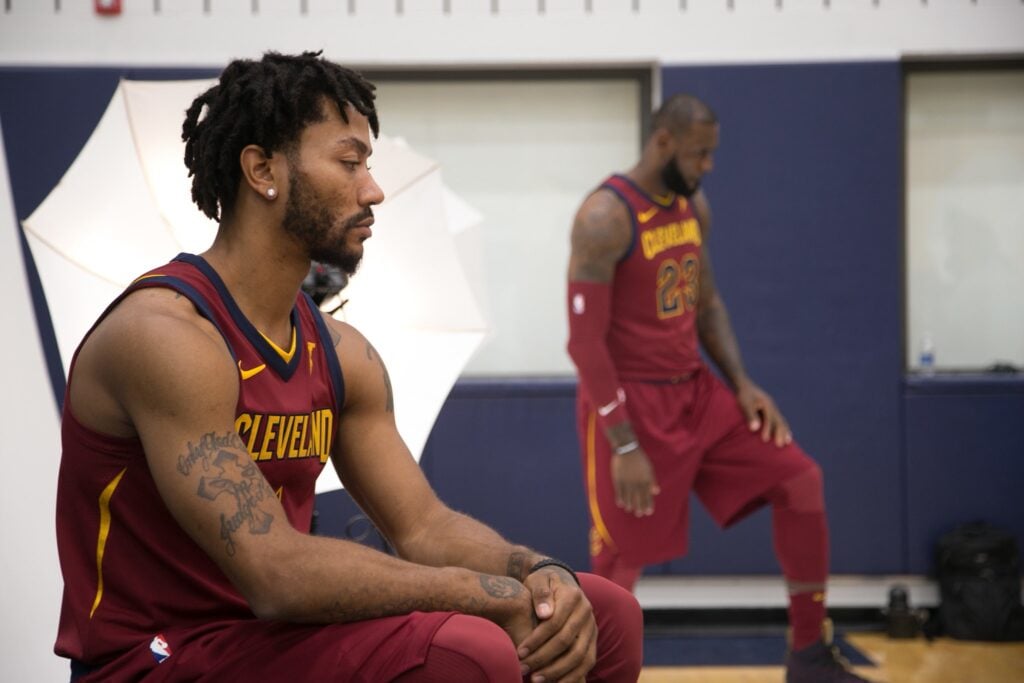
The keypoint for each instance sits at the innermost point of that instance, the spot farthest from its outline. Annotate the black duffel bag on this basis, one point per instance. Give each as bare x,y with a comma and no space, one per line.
978,568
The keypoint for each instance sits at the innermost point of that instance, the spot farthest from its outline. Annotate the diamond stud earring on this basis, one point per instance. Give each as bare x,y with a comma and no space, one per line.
271,193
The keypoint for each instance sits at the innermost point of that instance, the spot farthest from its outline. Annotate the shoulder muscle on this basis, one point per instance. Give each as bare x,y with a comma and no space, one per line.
600,236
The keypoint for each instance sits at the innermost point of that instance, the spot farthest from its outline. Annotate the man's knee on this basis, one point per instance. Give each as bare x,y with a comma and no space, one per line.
471,649
804,492
620,629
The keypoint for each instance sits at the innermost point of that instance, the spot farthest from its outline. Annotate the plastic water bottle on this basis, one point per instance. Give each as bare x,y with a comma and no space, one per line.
926,359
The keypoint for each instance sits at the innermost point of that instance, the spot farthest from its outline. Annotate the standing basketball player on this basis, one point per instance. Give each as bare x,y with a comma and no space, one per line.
205,401
654,422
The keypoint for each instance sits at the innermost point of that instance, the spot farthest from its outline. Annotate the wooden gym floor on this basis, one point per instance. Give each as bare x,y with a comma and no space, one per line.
898,661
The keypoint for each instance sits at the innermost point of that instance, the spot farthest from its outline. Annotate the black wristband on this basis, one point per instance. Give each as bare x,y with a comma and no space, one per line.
552,562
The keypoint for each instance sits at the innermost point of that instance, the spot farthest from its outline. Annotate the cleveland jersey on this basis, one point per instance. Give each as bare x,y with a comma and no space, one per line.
129,569
653,330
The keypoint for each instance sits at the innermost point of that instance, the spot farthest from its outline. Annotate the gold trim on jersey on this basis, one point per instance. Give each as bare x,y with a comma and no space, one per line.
286,355
595,509
104,532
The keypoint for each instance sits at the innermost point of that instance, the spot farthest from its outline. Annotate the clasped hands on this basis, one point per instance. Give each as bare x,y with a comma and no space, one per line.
554,628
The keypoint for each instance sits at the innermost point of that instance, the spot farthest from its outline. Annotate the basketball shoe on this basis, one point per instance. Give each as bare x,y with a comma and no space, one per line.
820,662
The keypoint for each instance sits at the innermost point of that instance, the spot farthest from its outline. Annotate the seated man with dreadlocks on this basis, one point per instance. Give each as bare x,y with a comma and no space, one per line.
207,398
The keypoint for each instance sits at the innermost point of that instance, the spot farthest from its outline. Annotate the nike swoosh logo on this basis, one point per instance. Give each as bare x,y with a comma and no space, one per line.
647,215
251,372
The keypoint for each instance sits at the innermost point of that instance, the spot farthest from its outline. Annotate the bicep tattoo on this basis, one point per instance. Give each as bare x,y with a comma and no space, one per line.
227,470
372,354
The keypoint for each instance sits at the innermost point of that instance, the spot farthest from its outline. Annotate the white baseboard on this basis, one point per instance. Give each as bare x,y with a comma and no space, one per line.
745,592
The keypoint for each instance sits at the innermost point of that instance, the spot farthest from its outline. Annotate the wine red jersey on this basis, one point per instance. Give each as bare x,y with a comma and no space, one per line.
655,290
129,568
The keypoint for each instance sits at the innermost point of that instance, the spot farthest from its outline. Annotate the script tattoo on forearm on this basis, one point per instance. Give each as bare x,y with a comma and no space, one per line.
516,562
234,475
372,354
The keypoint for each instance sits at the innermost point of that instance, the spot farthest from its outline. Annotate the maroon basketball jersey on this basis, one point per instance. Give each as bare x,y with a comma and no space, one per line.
653,332
129,569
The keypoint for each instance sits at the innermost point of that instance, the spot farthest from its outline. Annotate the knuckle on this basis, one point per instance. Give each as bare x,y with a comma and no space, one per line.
563,642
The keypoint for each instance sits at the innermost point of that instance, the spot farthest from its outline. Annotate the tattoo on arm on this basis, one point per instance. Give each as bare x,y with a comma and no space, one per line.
348,608
502,587
516,562
227,472
372,354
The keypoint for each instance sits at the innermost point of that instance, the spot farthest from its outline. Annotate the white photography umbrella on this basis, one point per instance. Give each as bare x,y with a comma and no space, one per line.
125,206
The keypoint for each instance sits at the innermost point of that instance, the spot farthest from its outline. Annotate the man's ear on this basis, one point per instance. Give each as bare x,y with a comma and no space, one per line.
260,171
664,141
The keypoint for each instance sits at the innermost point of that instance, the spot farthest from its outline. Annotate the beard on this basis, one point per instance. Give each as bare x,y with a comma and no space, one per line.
675,181
324,235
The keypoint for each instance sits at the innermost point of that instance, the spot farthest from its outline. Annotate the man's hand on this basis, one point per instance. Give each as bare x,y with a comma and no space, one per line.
519,620
563,646
763,415
635,486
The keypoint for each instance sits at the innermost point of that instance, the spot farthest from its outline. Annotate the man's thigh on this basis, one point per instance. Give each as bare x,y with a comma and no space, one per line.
257,650
738,467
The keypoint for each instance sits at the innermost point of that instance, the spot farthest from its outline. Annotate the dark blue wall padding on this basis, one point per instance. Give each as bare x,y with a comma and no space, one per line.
806,198
506,452
965,458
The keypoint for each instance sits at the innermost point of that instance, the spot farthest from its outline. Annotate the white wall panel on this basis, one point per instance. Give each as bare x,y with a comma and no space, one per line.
965,229
524,153
440,32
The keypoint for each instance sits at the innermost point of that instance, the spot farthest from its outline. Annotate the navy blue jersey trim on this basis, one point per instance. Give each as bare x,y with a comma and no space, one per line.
643,193
164,280
271,357
633,228
327,343
193,295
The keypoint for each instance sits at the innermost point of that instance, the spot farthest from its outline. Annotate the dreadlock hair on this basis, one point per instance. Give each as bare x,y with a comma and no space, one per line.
267,103
679,112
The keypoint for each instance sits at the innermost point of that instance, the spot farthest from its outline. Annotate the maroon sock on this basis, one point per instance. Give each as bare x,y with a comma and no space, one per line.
806,612
800,535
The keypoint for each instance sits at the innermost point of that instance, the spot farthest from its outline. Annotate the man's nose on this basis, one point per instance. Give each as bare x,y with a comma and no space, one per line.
370,193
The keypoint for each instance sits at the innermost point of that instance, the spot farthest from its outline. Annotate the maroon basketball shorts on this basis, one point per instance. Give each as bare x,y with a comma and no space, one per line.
698,440
371,651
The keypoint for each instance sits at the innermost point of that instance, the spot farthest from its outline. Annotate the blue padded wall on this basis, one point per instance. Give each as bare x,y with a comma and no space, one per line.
506,452
806,198
965,458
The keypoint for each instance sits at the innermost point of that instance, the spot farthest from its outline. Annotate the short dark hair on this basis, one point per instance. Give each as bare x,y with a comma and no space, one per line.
679,112
267,103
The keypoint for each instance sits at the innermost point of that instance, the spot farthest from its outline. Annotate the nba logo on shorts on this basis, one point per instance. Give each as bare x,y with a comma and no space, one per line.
160,649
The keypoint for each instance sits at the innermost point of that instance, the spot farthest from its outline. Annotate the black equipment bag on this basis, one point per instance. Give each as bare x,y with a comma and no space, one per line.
979,584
